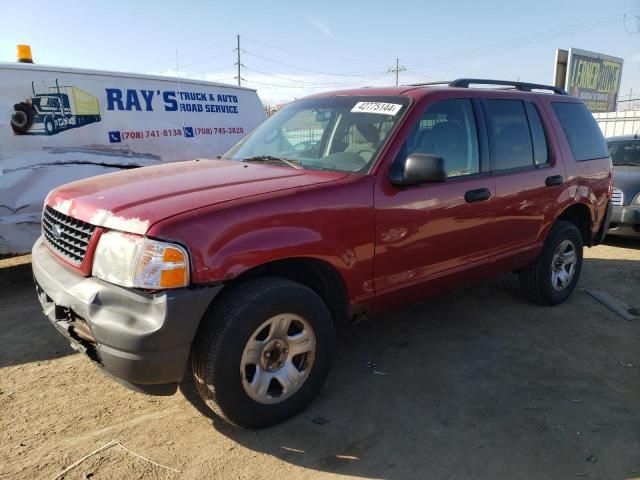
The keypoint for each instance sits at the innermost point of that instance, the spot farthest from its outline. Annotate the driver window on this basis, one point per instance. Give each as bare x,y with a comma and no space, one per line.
448,129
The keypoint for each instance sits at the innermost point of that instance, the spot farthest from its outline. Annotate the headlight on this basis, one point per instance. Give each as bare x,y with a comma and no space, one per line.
134,261
636,201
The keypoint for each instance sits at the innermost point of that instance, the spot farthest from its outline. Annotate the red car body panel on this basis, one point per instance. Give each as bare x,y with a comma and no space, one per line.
332,222
390,245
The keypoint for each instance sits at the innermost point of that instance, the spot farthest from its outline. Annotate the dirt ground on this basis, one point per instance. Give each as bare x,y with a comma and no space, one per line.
480,384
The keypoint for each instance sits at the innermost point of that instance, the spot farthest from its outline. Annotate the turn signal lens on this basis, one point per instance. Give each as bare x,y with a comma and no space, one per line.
161,266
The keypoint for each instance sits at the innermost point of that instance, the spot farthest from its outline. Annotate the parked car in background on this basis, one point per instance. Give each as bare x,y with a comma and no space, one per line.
338,207
625,154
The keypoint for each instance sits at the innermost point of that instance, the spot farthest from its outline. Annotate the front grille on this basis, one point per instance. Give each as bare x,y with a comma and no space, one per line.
618,197
66,235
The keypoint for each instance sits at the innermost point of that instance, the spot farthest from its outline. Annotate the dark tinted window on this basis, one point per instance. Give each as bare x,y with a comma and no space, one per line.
540,155
582,131
448,129
625,152
509,135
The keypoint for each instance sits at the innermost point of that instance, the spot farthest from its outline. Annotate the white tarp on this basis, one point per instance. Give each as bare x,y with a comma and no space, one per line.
58,125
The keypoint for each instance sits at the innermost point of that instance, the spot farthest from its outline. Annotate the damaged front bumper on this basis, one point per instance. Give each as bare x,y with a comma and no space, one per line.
140,339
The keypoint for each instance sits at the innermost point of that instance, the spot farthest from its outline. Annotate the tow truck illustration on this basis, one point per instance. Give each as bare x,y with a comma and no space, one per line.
59,109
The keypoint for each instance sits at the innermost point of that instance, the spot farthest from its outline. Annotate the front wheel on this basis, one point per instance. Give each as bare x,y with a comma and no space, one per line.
49,126
553,275
263,351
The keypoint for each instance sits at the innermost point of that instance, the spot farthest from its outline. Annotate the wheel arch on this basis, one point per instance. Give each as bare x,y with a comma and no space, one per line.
580,215
316,274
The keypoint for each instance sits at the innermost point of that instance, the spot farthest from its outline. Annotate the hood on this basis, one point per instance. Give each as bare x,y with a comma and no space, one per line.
133,200
627,179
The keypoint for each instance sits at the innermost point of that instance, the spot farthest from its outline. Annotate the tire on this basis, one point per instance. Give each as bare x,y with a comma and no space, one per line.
543,281
22,118
49,126
228,372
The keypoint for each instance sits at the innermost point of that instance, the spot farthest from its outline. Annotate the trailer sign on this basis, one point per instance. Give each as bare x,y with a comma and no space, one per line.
58,125
171,101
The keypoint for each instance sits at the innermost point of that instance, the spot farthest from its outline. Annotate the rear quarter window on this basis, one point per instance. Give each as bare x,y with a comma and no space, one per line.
581,130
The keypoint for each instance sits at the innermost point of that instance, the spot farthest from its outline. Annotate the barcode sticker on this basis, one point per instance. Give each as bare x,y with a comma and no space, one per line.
377,107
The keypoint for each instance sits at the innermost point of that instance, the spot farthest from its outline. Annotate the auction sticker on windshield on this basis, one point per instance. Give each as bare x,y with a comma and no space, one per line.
377,107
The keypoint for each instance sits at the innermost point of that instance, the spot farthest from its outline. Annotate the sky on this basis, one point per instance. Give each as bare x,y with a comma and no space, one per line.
290,49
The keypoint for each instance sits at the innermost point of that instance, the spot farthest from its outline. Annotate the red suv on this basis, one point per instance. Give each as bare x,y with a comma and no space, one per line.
340,206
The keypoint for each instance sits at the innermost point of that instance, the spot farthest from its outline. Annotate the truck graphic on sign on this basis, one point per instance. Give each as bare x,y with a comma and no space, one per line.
60,108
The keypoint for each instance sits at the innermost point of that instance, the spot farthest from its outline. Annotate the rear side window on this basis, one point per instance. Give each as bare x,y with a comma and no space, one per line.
582,131
509,135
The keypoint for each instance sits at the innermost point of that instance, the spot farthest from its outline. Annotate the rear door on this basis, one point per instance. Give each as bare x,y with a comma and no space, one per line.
529,176
432,238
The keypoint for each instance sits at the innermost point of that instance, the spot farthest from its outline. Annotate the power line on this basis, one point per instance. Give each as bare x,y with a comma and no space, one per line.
211,70
305,54
271,60
312,82
637,18
352,84
397,70
226,52
520,42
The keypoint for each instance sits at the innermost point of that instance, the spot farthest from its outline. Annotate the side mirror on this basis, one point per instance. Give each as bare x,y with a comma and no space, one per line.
419,168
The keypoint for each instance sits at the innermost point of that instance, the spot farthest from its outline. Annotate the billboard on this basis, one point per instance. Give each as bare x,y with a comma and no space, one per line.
592,77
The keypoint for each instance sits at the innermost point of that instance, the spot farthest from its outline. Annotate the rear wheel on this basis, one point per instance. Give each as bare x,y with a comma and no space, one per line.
263,351
552,277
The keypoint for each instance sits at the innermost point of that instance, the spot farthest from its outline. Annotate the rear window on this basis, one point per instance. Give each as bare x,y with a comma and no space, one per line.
582,131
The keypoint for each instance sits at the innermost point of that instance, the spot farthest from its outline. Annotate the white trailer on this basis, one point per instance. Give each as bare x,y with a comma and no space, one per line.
60,124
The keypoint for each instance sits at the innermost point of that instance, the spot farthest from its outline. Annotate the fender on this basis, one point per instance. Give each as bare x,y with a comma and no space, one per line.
594,195
334,224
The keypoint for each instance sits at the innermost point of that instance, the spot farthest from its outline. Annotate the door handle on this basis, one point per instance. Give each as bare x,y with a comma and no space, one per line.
554,180
477,195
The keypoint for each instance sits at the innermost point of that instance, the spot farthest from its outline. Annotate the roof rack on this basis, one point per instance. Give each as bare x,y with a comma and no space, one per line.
522,86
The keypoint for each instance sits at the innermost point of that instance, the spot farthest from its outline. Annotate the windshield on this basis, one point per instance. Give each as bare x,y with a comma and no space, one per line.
340,133
625,152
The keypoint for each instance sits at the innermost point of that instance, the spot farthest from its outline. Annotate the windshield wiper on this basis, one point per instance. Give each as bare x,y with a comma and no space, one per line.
270,158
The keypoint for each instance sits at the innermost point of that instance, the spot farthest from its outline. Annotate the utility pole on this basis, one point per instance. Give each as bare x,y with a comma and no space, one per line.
397,70
238,63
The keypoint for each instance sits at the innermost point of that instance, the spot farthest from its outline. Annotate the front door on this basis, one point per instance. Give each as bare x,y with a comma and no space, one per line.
435,237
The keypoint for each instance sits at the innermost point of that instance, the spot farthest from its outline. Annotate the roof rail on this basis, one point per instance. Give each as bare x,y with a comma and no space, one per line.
522,86
425,84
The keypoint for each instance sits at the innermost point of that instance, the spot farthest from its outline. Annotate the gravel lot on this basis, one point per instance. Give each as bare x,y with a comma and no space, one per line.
480,384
